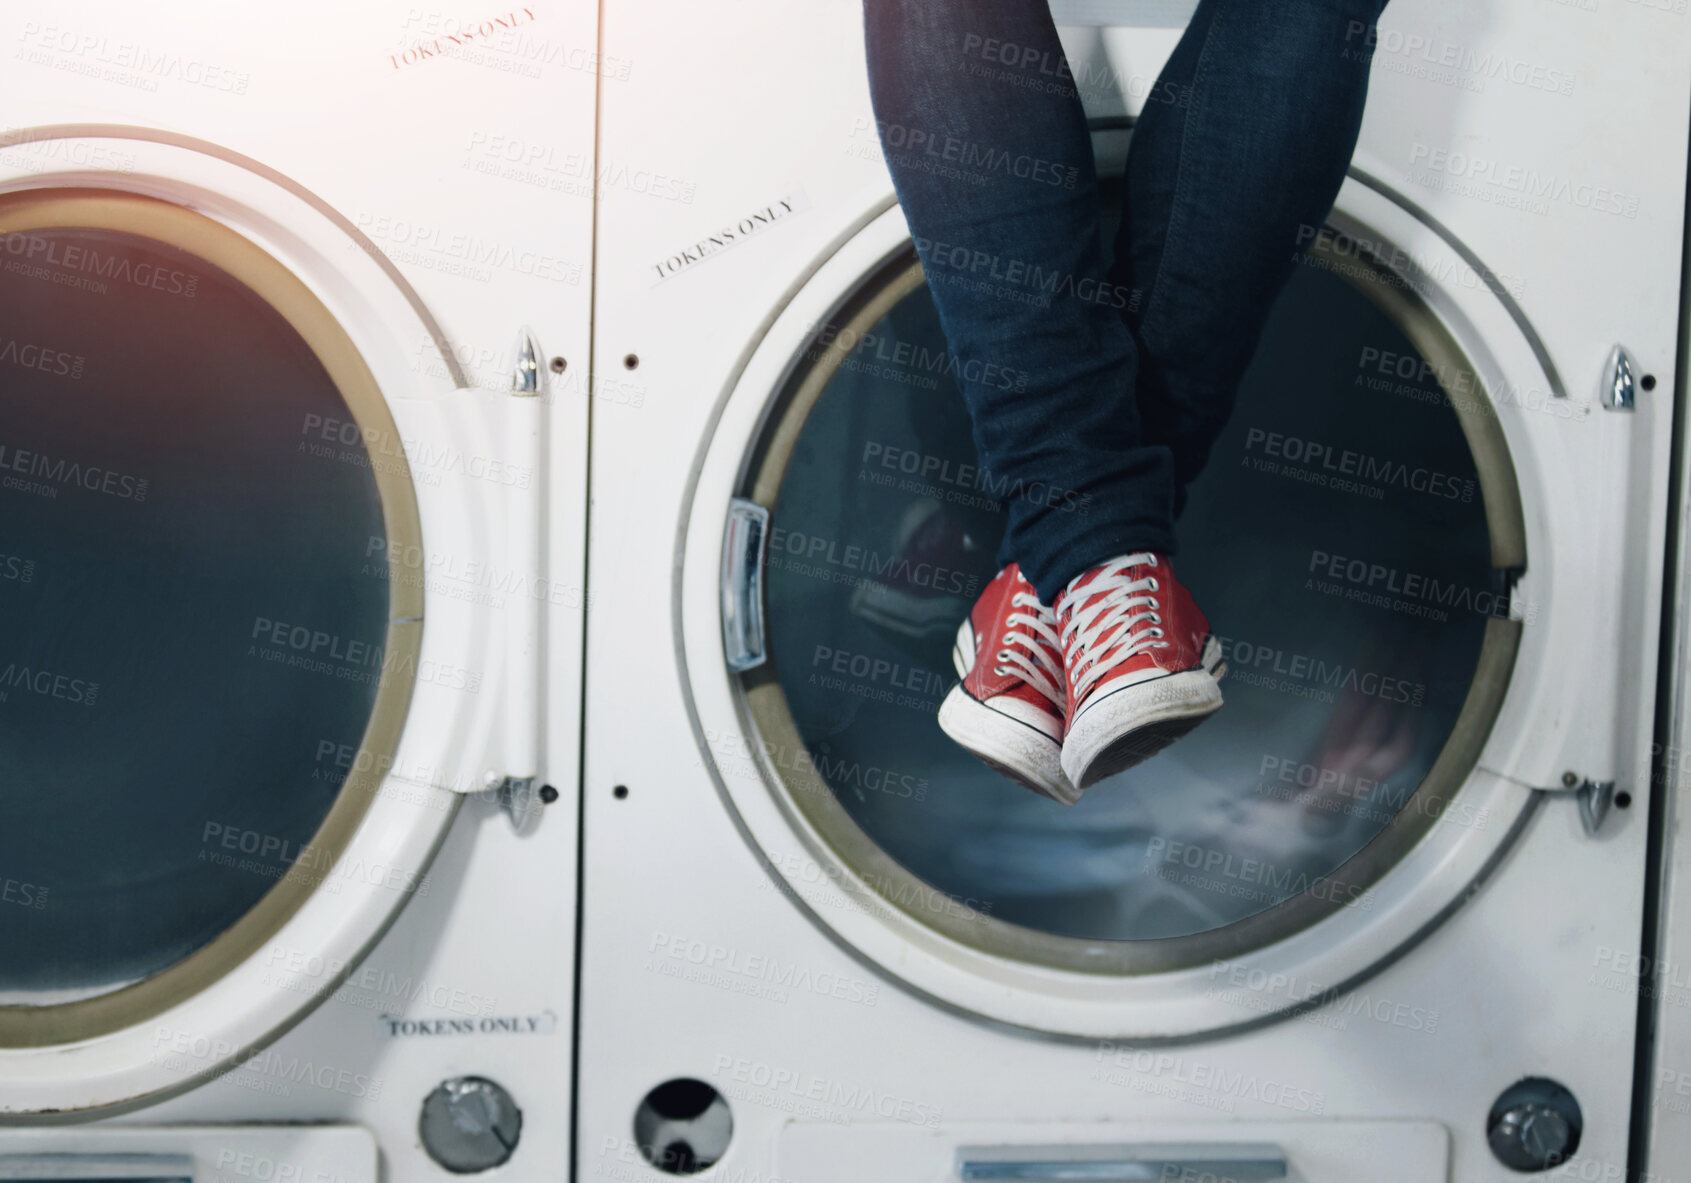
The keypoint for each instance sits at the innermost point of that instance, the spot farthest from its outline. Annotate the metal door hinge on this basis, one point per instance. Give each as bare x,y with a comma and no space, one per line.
517,796
1594,796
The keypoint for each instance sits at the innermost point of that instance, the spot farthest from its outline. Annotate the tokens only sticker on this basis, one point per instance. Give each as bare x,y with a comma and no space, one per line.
394,1027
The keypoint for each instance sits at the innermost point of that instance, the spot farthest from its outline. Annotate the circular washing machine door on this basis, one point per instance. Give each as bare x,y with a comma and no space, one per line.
207,657
1353,541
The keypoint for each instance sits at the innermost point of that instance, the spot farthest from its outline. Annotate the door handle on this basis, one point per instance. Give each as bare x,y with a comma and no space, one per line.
743,554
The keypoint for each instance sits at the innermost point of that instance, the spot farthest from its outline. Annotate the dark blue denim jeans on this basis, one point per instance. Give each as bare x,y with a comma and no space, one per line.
1122,377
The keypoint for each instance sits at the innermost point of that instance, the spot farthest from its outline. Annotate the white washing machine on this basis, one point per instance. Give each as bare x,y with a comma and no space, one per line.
1380,918
295,314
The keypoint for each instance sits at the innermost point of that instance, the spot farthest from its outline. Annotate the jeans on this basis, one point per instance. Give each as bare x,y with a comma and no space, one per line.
1106,387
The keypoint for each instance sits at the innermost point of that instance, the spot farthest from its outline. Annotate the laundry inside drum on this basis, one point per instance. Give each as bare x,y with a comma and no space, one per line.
1337,541
193,606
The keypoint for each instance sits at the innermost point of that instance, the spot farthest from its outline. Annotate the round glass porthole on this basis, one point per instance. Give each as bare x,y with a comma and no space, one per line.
195,605
1347,541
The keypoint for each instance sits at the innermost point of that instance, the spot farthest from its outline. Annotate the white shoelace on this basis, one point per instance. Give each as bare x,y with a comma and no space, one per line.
1118,621
1035,630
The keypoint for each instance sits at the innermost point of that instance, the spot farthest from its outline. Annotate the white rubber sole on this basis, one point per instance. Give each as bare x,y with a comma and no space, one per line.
1009,747
1130,725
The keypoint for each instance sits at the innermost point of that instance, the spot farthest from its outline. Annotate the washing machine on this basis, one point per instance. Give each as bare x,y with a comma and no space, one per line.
1380,918
294,417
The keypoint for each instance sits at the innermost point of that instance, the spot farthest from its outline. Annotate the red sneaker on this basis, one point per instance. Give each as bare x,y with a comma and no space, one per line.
1142,666
1008,709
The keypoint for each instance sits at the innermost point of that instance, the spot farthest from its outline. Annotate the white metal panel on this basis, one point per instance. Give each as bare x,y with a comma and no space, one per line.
1656,969
1515,984
470,168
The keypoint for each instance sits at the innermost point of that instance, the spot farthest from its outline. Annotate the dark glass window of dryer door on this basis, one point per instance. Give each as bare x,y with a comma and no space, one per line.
1340,694
171,519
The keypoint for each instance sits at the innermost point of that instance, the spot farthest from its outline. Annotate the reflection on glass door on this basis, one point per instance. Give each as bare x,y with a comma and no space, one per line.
193,606
1338,541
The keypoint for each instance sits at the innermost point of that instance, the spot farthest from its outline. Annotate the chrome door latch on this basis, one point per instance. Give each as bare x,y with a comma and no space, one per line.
1594,797
1619,391
525,368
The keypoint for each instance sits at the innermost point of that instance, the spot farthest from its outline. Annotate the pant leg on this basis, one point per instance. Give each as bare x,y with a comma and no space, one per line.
985,137
1233,165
